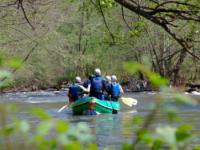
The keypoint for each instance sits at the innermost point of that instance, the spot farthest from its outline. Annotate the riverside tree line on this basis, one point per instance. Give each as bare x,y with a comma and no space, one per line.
56,40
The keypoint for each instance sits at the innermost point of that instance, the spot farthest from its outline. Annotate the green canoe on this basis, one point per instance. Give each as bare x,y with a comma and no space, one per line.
94,105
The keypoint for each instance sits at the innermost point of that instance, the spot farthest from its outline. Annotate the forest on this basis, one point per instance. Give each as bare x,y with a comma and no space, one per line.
46,43
148,44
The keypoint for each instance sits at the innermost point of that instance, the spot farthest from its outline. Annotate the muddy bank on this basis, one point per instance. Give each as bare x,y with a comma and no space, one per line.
128,86
133,85
137,86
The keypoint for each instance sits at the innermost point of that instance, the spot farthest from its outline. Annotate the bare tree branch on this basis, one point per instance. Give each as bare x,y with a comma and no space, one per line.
20,5
104,20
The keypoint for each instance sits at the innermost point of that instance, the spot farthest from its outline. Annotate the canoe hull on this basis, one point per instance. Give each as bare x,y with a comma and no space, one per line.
94,106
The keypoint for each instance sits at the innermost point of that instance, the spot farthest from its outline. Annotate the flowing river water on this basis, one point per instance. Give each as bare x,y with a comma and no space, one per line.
109,129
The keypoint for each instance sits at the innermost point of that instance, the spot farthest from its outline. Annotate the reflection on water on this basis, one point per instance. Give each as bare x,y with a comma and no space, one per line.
109,130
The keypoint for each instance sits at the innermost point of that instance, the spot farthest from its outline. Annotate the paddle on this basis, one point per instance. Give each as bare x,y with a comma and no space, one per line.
62,108
129,101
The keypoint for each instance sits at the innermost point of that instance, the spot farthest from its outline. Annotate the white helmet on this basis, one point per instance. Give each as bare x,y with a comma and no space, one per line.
78,79
113,78
108,78
97,71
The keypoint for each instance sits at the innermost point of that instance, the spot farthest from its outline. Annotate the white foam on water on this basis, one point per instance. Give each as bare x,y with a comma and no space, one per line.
195,93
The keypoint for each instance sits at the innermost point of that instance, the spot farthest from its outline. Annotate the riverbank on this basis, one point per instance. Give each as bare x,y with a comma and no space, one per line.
133,85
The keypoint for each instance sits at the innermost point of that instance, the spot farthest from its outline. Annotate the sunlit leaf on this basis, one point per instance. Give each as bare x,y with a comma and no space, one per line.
157,80
73,146
196,147
15,63
62,126
92,147
133,67
40,113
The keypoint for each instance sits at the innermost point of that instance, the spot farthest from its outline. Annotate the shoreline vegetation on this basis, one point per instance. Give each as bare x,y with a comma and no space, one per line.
128,86
150,45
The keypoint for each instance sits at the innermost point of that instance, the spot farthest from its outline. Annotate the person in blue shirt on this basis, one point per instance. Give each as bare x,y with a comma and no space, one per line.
96,86
76,90
116,89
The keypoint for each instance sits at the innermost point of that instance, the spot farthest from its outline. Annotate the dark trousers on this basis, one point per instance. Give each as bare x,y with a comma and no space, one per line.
97,95
115,99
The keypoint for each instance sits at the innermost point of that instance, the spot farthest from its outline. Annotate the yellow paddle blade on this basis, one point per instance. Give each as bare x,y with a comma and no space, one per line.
129,101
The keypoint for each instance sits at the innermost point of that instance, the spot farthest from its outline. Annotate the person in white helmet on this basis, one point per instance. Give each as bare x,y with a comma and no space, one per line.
107,87
76,90
96,86
116,89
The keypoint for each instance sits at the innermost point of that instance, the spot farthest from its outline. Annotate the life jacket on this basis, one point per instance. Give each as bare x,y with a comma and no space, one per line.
97,84
75,91
108,88
115,90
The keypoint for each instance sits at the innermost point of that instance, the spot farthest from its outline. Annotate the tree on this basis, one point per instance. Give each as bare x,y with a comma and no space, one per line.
166,14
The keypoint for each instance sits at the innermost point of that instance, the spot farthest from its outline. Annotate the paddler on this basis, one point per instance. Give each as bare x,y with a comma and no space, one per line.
96,85
116,89
76,90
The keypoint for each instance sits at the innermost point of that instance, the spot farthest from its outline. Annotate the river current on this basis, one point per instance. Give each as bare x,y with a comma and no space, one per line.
110,130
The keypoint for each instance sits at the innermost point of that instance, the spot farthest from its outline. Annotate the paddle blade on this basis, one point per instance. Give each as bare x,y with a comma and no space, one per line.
62,108
129,101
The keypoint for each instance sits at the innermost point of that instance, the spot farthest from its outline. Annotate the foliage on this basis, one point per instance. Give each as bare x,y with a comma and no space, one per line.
167,135
50,133
72,38
68,38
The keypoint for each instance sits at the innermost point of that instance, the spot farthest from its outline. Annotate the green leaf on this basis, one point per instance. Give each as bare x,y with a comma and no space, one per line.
15,63
24,126
157,144
172,113
196,147
126,146
62,126
1,61
167,134
62,139
8,130
92,147
44,127
145,137
133,67
5,74
137,120
40,114
157,80
183,132
73,146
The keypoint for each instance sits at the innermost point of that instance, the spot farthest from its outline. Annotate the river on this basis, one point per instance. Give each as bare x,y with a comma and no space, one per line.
109,129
